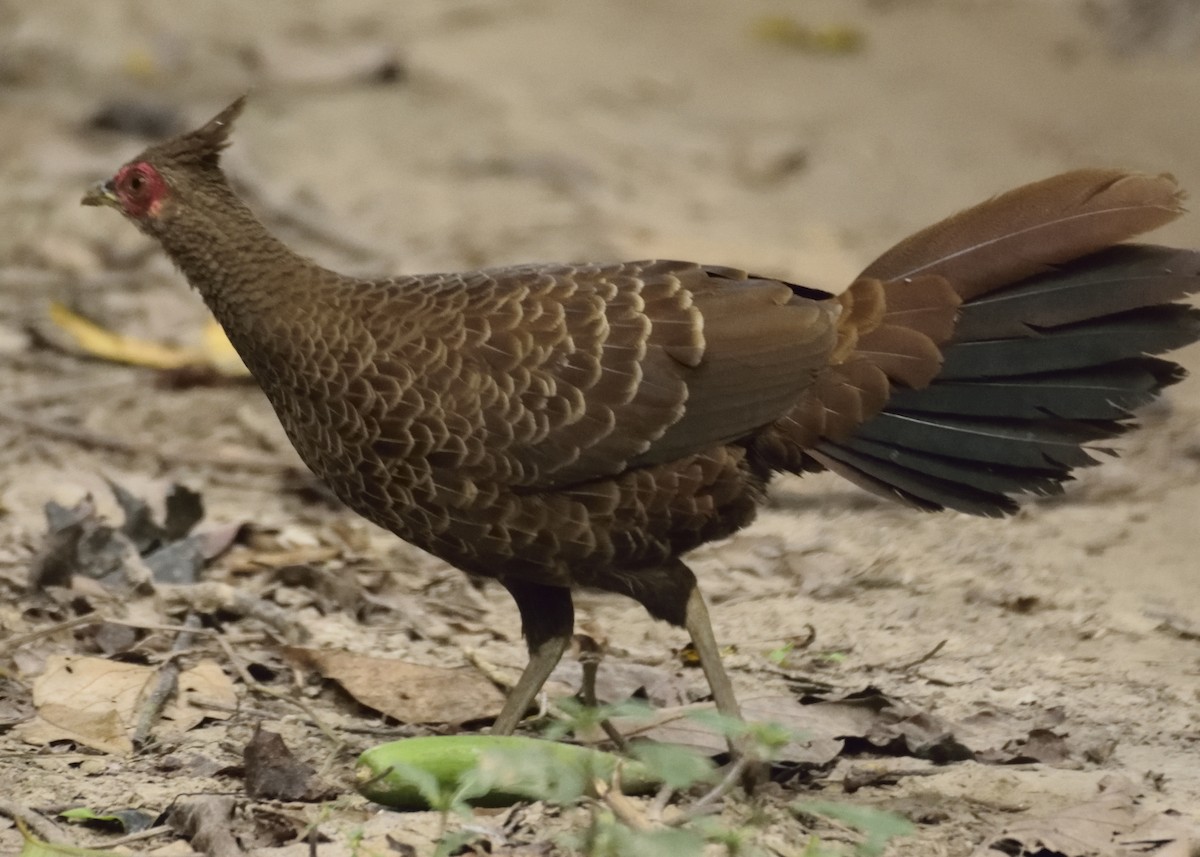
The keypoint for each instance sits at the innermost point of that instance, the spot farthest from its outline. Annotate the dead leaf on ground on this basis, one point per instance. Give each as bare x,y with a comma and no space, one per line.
1114,825
126,558
96,702
1006,738
790,33
824,727
411,693
679,726
274,773
207,823
184,509
214,351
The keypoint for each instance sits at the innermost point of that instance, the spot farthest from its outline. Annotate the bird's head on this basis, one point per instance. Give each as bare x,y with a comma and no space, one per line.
149,188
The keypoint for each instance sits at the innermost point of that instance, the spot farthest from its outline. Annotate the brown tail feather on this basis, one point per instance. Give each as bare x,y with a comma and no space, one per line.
1027,230
1075,318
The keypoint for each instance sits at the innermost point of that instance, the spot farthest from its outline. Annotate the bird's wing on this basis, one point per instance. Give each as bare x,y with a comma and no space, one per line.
565,374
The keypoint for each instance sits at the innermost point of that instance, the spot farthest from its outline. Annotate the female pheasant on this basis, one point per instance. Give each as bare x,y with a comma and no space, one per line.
562,426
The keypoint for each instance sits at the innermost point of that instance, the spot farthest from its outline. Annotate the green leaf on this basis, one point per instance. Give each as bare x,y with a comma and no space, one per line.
125,820
583,718
779,656
722,724
678,767
35,847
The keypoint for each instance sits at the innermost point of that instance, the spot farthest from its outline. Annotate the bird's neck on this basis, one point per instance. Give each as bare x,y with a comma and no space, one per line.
257,287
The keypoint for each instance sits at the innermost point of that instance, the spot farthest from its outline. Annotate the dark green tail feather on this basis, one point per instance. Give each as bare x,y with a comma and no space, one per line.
1036,374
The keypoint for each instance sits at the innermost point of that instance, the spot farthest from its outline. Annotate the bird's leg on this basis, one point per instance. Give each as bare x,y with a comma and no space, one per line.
670,592
699,628
547,622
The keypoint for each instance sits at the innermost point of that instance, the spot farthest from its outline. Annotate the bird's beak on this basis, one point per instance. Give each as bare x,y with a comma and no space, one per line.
101,193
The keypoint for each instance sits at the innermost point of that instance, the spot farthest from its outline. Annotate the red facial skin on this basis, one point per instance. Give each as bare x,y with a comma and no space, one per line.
140,189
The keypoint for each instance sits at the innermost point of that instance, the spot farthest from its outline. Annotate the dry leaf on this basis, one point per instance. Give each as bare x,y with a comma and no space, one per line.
214,352
790,33
411,693
207,822
823,727
818,741
1112,826
274,773
80,543
95,701
219,352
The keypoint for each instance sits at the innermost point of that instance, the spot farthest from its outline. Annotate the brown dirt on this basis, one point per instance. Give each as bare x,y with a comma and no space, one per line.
550,130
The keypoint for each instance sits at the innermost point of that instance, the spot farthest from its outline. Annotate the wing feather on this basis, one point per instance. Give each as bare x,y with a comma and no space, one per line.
569,374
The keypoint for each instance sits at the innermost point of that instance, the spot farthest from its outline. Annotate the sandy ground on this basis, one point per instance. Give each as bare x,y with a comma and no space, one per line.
552,130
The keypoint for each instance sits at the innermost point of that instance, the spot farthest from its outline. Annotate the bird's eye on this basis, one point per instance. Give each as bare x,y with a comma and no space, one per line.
136,182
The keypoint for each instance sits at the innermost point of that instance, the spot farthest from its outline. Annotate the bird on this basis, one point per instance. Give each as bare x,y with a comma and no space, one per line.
557,427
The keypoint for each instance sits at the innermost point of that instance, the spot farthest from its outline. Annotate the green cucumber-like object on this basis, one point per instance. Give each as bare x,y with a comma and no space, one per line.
497,770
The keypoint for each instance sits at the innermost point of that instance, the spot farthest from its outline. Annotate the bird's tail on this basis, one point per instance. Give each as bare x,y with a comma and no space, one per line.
985,356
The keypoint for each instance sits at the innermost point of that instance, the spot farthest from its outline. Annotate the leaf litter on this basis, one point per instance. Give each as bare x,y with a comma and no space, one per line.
156,557
93,702
407,692
1115,824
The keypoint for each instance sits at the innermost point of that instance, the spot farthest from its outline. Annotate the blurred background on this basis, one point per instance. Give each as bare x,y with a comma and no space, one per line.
797,138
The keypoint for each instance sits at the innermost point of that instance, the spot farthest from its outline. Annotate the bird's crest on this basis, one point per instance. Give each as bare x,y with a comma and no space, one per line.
201,148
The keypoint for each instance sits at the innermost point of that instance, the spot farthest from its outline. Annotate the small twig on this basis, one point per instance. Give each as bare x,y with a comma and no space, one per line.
704,805
860,776
622,807
14,643
263,714
141,835
928,656
496,675
39,825
253,685
503,680
168,679
590,656
661,798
